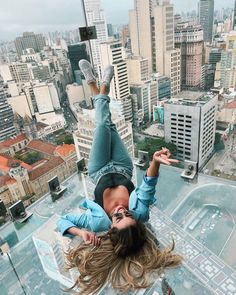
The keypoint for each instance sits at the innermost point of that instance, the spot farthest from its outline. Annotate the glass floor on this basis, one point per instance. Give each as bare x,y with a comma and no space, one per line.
199,215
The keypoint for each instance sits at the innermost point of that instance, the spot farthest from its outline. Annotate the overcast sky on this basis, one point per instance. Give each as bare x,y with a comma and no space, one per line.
17,16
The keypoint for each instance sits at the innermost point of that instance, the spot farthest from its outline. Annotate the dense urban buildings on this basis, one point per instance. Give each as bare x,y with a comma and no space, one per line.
29,40
206,17
28,179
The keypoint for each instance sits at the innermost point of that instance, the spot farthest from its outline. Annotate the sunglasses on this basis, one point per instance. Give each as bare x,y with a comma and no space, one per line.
120,215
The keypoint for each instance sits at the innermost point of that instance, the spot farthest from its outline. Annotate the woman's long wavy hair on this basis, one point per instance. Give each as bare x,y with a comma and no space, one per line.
125,258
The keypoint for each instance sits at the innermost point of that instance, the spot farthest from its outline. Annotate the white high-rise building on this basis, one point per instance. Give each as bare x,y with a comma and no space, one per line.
112,53
152,37
190,123
95,17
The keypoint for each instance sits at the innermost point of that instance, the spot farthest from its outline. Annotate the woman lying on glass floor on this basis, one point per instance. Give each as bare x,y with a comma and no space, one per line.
125,255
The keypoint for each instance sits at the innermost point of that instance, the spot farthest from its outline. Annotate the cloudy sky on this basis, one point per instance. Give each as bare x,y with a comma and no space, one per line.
17,16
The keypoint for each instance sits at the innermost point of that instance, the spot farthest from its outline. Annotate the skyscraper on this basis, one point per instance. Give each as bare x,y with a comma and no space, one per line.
206,15
29,40
152,37
95,17
7,128
190,41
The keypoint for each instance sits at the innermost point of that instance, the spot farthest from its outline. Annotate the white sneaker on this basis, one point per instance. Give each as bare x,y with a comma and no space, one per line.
87,71
108,75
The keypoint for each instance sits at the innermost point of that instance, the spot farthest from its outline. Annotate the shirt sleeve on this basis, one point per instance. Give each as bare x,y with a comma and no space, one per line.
72,220
142,197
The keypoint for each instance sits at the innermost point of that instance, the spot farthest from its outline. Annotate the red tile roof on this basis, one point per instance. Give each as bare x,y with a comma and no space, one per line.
41,146
7,161
50,165
4,179
231,105
65,149
12,141
11,181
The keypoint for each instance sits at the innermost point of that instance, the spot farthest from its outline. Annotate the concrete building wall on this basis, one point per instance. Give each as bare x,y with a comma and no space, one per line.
5,73
54,96
138,71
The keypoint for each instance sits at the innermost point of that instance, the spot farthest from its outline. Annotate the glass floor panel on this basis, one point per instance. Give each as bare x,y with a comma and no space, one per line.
199,215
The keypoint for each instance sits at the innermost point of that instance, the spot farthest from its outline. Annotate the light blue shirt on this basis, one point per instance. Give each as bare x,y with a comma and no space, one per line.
95,219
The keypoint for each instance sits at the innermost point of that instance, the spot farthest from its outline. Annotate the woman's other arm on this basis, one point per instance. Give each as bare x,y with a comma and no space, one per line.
160,157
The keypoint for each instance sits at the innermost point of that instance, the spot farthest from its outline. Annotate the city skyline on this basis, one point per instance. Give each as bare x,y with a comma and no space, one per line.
60,15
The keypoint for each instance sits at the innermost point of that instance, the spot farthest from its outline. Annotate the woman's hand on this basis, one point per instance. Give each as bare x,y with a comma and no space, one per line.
90,238
164,157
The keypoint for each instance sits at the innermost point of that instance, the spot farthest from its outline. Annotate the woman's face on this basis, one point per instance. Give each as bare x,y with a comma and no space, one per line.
122,218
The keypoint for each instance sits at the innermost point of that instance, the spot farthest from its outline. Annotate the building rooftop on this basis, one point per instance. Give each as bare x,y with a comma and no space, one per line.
231,105
65,149
45,168
12,141
42,146
191,98
199,215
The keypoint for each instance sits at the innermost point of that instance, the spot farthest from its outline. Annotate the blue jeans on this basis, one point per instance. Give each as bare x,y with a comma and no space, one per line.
108,153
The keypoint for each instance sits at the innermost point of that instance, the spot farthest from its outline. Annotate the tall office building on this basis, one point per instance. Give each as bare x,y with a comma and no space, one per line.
206,17
95,16
76,52
190,123
7,128
189,39
29,40
152,37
